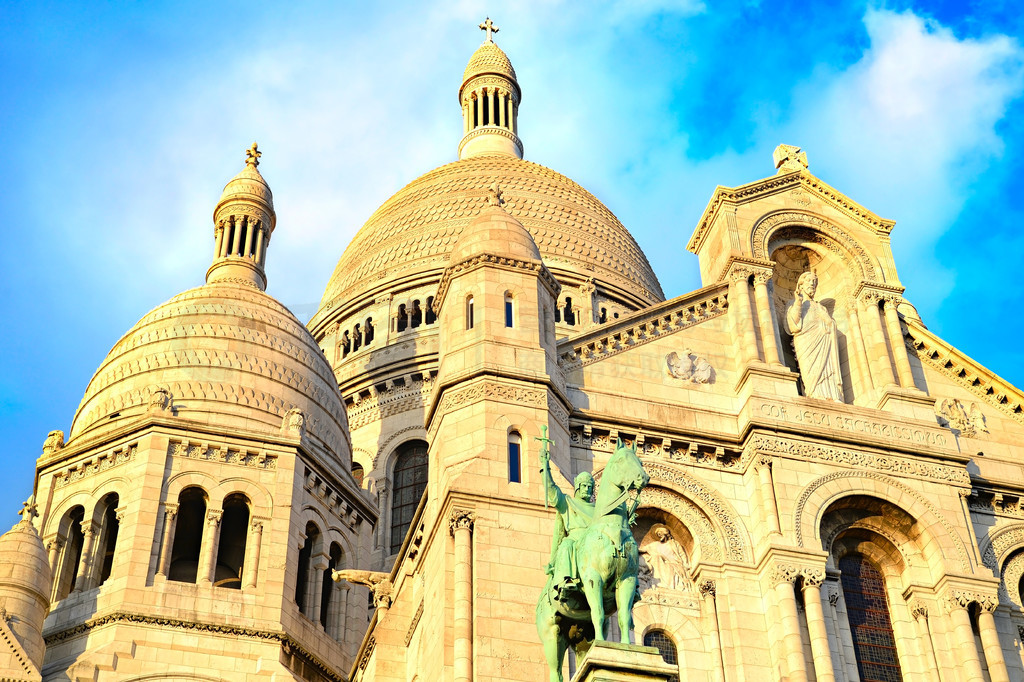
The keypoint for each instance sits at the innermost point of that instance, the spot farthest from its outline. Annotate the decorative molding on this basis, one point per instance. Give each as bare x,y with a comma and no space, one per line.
690,515
490,390
661,446
961,599
656,595
491,130
364,657
902,466
805,496
964,371
415,622
456,269
778,183
217,629
336,502
394,397
461,519
95,464
1000,543
707,588
221,454
599,345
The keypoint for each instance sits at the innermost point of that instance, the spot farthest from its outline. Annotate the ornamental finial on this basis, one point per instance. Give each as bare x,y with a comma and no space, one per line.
494,197
252,156
490,28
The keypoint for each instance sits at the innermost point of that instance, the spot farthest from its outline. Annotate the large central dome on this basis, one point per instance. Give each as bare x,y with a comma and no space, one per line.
414,231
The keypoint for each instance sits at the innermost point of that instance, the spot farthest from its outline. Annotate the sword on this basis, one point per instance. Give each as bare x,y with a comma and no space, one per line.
545,450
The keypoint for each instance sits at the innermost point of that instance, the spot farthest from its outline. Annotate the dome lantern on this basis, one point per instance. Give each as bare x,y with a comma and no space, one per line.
490,98
243,222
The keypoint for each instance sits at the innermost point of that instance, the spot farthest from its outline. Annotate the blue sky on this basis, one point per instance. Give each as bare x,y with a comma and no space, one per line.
121,122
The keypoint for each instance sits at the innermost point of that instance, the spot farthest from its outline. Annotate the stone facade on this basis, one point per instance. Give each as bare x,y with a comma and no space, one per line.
225,460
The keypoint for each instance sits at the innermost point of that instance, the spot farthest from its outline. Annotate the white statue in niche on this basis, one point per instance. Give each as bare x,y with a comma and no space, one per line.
815,341
666,559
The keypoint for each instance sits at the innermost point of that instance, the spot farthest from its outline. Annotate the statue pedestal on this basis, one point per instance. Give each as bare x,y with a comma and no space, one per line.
614,662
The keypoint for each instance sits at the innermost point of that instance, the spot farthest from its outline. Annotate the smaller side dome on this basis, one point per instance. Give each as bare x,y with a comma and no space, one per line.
25,583
495,232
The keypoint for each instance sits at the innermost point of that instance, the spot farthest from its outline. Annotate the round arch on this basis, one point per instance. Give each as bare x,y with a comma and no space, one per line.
769,227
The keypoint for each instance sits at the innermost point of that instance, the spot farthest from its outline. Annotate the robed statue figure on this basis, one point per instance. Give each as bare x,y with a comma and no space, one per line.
815,341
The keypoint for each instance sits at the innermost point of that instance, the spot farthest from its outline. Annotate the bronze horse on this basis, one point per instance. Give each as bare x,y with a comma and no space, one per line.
607,561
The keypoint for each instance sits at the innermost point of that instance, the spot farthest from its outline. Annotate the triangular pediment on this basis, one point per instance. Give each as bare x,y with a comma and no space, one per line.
794,183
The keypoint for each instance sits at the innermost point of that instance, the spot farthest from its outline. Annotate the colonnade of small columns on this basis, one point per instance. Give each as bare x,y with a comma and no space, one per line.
242,236
493,106
335,599
875,328
209,546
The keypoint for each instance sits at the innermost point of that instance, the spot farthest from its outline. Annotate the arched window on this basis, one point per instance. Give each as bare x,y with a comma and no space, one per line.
234,533
108,539
567,313
357,337
358,473
188,535
346,344
469,312
368,330
302,577
870,624
417,315
430,316
410,480
660,640
328,617
515,443
403,319
67,575
508,309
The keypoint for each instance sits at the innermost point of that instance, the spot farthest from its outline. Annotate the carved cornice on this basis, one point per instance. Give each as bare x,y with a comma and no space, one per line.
780,183
785,572
902,466
95,464
822,231
415,622
345,507
642,328
964,371
491,130
961,599
455,269
213,628
395,397
222,454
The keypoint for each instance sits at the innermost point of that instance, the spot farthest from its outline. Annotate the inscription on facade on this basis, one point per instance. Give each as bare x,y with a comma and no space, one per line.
828,419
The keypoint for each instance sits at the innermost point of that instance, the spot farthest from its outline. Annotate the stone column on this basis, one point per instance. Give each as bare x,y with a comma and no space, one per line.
461,527
860,358
261,245
765,318
480,108
739,296
899,346
924,639
707,591
767,492
167,541
318,563
82,580
967,651
218,237
882,369
833,606
224,244
236,243
492,100
208,550
53,548
792,646
823,671
252,566
501,109
990,641
250,232
510,118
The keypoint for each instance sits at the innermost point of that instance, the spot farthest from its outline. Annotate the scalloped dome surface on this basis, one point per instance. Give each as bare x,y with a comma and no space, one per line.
231,356
415,230
488,58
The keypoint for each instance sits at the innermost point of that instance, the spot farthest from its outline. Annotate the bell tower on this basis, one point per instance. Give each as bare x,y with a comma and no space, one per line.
490,98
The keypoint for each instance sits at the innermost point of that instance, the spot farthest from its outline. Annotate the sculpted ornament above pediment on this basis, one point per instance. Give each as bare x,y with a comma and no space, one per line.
970,422
690,367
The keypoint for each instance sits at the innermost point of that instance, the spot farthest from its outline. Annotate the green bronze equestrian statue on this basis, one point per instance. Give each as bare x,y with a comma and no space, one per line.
594,558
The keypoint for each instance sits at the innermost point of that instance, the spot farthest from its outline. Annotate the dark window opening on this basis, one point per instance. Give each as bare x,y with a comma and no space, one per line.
508,309
469,313
665,646
234,534
328,590
188,535
514,454
305,555
430,316
346,344
72,553
410,480
403,320
357,473
870,624
109,541
417,315
368,330
357,337
567,313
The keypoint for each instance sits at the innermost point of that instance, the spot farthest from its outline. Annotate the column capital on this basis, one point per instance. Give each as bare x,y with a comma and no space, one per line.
762,276
170,510
763,461
813,577
784,572
873,292
256,525
214,516
708,589
739,272
962,599
461,519
918,609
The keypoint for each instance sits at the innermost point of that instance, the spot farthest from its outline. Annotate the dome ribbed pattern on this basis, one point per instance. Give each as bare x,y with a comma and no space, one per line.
231,356
415,230
489,58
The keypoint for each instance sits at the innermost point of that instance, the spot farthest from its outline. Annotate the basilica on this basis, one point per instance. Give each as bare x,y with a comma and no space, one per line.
834,491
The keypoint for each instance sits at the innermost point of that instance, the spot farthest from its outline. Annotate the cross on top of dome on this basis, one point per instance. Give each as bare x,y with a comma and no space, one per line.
489,26
28,509
252,155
